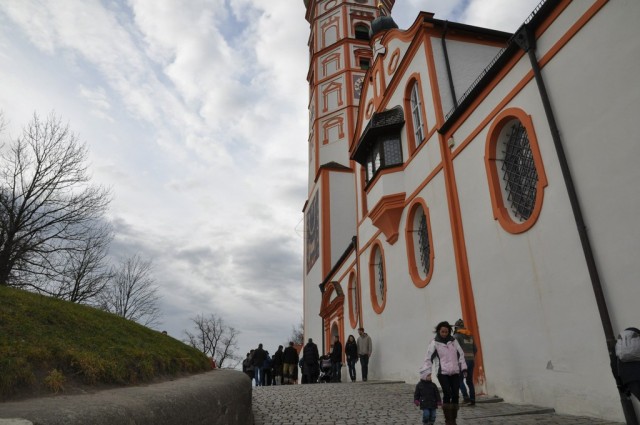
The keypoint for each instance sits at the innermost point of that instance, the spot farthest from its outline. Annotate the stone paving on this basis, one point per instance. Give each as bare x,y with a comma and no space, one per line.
386,403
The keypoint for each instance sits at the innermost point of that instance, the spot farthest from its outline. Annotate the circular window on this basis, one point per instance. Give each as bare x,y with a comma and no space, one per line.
419,244
515,171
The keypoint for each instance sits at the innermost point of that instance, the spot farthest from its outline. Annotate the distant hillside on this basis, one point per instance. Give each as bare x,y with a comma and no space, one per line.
50,346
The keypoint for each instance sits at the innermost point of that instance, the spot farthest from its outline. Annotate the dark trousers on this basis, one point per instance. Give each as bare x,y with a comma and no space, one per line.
352,368
471,394
450,388
364,364
336,372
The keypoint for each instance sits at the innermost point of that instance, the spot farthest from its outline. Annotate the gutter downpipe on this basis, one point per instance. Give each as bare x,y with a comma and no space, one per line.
446,61
525,39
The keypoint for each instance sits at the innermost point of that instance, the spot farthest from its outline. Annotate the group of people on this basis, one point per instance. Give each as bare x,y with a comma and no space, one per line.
328,368
454,349
455,352
282,367
279,369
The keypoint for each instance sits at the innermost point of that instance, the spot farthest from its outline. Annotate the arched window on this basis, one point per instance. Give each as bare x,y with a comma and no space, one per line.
515,171
415,104
419,244
377,278
362,32
353,298
416,113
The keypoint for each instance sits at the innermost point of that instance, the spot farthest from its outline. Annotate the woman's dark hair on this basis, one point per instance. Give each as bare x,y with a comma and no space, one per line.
444,324
351,337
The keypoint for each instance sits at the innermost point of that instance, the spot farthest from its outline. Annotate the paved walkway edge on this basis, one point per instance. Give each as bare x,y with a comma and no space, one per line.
219,397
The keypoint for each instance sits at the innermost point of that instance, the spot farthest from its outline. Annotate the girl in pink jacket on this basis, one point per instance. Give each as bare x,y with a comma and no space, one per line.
450,356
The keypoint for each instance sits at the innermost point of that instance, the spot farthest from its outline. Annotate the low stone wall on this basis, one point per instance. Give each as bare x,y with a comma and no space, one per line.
219,397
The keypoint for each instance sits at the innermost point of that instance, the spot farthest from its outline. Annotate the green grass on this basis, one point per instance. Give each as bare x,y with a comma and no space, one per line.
47,343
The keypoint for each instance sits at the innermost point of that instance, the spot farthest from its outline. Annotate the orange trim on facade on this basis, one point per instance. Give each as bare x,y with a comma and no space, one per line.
386,215
377,307
498,204
332,311
418,281
352,299
467,302
325,220
412,143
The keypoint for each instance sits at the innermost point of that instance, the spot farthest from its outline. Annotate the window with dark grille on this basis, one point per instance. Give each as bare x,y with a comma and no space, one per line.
519,172
423,241
380,272
362,32
387,152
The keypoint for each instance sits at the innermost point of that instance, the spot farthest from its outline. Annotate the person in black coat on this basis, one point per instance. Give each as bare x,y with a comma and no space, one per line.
259,356
311,366
427,397
336,360
290,364
278,362
351,350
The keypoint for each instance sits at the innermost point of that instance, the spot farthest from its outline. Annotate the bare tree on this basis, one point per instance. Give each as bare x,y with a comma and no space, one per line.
86,271
132,292
297,333
46,201
215,339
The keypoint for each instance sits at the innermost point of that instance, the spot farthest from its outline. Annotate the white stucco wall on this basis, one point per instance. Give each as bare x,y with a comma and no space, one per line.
544,342
343,213
466,60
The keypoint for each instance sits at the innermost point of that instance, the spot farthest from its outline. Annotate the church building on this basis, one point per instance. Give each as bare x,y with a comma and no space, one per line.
462,172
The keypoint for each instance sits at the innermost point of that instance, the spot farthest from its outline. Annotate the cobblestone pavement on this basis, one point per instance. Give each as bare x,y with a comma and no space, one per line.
386,403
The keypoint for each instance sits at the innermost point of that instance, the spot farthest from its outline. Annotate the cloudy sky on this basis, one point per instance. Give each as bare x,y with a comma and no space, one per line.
194,113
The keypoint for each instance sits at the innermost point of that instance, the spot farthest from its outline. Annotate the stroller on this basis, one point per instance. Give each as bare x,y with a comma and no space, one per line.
326,372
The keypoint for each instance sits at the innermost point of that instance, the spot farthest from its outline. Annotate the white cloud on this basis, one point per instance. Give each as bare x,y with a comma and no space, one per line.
195,116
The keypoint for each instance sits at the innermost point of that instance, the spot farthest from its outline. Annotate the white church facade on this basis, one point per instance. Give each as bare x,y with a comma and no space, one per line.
461,172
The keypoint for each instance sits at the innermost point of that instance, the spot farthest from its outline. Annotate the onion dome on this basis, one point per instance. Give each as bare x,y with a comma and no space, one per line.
380,24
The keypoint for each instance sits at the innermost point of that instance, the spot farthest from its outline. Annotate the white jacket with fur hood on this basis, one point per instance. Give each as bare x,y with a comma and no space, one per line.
450,356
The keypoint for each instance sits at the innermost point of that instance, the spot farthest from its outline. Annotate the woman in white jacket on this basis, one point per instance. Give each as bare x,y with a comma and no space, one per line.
451,361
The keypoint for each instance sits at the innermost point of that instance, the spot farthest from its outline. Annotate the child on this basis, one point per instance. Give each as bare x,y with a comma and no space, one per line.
427,397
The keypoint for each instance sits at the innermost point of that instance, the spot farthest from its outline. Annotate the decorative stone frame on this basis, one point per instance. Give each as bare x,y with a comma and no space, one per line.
498,203
373,273
414,272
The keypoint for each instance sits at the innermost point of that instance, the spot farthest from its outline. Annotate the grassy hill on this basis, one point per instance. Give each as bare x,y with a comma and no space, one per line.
49,346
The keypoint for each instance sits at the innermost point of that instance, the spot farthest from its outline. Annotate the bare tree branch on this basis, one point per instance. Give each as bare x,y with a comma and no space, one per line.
297,333
46,202
132,292
215,339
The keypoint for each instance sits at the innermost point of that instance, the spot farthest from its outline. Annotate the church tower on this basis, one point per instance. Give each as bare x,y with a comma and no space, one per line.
339,56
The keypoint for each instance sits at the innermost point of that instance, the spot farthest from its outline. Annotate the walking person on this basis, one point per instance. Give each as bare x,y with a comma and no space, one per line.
351,350
365,348
277,366
311,362
451,361
259,355
267,366
465,339
290,364
336,360
628,359
427,398
247,365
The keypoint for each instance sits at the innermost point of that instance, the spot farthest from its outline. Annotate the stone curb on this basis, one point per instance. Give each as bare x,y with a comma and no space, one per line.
219,397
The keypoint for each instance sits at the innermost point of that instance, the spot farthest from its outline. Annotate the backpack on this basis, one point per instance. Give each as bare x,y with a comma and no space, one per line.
628,345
